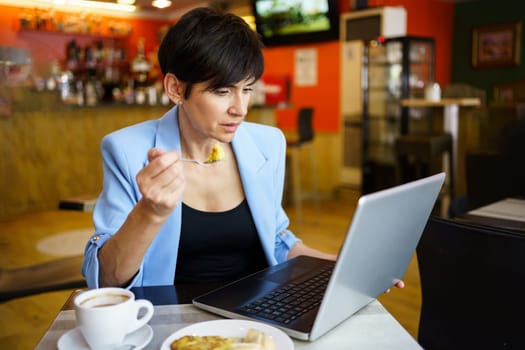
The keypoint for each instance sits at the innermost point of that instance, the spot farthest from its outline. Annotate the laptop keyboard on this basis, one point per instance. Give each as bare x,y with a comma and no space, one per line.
288,302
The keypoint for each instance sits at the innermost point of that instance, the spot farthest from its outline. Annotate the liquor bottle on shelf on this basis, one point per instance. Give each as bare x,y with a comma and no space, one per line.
140,66
72,54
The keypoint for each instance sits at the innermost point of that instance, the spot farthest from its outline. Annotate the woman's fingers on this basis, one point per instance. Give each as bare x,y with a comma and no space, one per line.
161,182
154,153
398,284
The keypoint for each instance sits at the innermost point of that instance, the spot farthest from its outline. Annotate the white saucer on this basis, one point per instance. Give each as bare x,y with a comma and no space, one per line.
73,339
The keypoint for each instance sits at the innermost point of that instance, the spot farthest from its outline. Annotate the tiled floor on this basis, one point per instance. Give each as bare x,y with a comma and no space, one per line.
24,320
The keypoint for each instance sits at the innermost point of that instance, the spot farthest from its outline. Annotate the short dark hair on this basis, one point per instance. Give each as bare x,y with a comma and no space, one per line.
207,46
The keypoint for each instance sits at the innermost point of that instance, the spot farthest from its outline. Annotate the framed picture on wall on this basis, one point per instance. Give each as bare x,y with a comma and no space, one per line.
496,45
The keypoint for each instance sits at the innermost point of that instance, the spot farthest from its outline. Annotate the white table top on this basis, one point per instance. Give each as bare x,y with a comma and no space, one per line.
509,209
371,328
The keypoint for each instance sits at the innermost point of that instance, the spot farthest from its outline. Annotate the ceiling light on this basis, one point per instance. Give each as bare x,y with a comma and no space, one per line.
102,5
126,2
71,4
161,3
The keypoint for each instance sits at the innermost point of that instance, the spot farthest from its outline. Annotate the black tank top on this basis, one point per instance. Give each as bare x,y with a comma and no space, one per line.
218,247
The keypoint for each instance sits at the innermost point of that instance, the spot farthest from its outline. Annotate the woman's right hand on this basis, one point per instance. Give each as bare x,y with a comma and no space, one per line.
161,182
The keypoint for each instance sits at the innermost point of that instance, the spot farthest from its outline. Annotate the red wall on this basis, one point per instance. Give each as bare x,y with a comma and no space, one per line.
324,97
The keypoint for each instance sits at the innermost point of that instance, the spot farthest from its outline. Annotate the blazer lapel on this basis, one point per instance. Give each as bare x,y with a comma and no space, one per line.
168,136
252,166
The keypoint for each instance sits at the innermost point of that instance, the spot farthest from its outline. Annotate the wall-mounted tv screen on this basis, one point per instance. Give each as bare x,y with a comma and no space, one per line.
288,22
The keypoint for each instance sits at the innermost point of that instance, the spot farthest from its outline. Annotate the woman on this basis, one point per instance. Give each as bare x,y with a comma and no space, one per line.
160,220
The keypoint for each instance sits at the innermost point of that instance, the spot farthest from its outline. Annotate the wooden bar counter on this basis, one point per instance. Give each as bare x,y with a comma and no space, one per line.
51,151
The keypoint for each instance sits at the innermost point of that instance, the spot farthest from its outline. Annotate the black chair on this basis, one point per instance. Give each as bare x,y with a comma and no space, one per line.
421,155
418,156
512,148
304,139
492,176
472,286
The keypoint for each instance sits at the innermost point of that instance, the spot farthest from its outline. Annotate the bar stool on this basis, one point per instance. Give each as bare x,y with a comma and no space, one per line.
304,140
417,154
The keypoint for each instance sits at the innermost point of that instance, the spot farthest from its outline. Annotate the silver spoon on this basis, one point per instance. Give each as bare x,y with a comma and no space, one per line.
206,163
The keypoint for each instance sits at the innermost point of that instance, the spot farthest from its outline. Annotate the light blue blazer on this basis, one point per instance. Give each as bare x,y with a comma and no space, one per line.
260,151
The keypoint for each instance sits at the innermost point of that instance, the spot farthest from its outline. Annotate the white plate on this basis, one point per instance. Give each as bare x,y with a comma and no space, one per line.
231,328
73,339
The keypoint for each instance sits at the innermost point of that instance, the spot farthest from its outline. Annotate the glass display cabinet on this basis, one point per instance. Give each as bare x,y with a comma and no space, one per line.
394,69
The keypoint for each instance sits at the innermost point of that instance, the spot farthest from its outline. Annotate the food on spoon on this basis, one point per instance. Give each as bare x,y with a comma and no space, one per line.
216,155
254,340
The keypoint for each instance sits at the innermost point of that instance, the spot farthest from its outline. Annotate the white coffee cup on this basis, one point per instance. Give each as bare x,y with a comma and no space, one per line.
106,315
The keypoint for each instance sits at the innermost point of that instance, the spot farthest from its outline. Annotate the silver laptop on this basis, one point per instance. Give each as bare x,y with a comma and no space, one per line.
380,242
